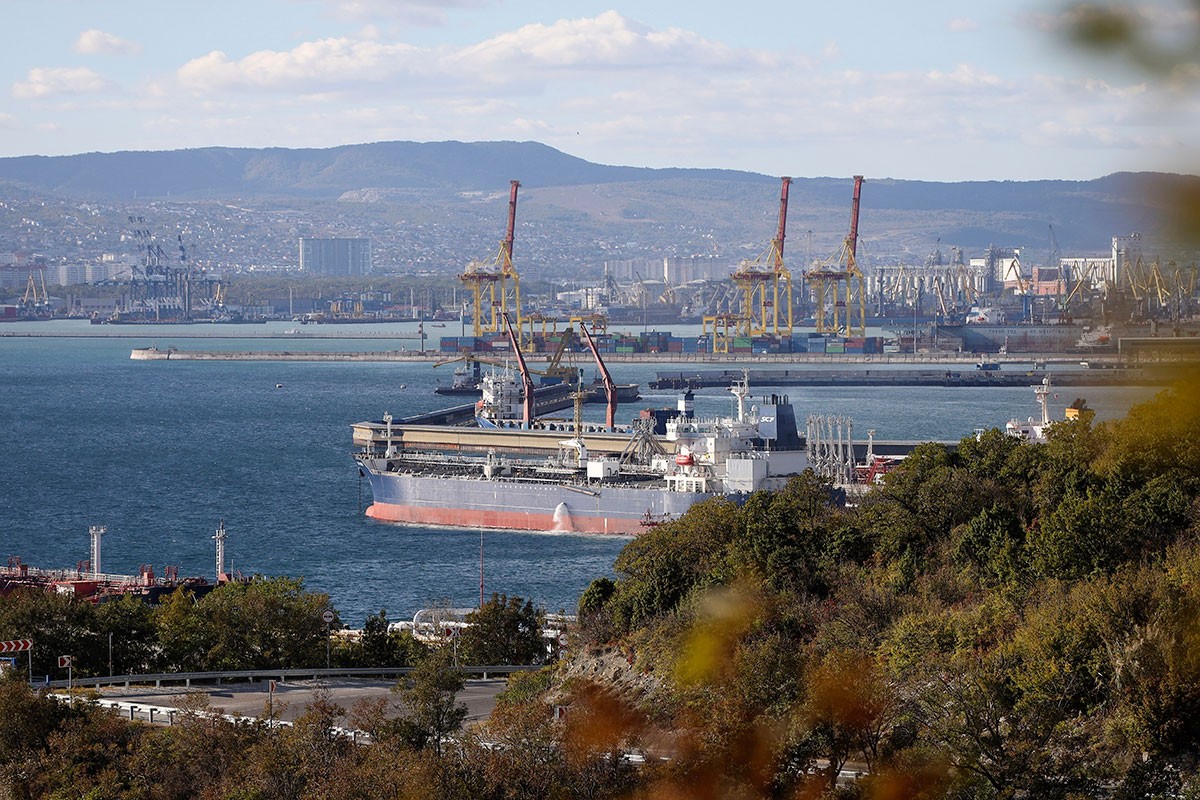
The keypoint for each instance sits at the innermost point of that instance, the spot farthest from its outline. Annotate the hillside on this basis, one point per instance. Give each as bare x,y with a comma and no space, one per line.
445,201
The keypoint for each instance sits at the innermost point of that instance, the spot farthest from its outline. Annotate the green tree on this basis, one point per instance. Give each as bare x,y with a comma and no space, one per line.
184,637
383,647
596,595
128,625
431,701
268,622
662,566
58,624
784,534
504,630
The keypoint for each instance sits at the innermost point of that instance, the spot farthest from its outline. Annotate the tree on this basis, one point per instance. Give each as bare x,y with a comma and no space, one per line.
59,625
784,533
851,706
503,631
268,622
183,636
431,700
382,647
662,566
128,625
598,592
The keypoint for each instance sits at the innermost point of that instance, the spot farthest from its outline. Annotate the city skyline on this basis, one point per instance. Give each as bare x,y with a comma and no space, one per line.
938,91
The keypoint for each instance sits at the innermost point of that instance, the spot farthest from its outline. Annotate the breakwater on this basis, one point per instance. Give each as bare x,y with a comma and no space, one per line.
849,376
966,360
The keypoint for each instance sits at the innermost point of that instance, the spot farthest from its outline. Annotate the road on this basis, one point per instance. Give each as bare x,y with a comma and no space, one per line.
290,699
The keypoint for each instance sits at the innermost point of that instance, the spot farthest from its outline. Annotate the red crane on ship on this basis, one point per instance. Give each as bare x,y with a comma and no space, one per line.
610,388
526,379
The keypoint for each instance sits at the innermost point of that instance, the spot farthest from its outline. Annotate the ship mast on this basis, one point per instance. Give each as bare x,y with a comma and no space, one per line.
96,531
219,537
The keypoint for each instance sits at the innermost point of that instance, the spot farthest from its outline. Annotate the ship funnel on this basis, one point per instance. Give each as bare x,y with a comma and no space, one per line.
687,406
562,519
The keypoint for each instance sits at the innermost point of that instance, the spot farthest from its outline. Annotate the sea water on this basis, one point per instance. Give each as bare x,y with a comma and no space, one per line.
160,452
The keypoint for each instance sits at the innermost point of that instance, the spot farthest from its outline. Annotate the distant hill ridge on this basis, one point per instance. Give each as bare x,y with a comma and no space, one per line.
972,213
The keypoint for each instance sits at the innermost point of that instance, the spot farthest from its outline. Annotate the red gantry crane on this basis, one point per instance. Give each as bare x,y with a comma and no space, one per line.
495,285
765,283
838,290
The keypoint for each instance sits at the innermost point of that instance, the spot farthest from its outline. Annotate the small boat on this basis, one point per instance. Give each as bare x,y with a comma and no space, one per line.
987,366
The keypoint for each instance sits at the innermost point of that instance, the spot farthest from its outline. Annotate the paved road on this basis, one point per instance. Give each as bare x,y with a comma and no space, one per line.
292,698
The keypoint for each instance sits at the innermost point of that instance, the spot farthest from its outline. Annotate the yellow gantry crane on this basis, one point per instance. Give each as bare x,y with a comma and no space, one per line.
765,283
839,290
495,285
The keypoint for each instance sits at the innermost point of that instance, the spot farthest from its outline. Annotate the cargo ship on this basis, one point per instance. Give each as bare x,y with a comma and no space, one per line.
498,470
564,476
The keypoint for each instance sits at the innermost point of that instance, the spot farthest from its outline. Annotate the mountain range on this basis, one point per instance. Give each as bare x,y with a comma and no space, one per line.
606,208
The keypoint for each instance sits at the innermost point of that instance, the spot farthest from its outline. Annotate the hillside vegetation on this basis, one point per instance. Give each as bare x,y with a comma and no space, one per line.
1008,620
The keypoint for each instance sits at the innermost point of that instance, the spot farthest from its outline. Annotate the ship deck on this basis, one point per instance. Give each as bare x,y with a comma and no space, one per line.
442,438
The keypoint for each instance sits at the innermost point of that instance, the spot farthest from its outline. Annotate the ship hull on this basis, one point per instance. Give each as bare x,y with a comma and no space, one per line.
520,505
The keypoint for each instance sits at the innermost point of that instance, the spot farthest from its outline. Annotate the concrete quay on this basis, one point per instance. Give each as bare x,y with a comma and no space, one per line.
742,359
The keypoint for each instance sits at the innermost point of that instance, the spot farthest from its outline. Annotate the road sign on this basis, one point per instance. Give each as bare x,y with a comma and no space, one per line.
16,645
271,687
64,662
327,615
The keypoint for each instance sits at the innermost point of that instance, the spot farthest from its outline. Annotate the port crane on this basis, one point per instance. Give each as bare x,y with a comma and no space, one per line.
36,301
841,288
494,285
765,283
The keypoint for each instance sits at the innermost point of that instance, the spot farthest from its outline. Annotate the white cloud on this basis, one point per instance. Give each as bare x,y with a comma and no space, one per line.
50,81
421,13
528,56
962,25
605,41
96,42
311,66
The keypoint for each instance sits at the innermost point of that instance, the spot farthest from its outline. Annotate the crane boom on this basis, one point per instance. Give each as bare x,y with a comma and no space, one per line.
782,233
526,381
852,237
509,236
610,388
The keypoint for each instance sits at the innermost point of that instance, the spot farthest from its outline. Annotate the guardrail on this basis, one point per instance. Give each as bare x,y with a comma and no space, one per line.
251,675
167,715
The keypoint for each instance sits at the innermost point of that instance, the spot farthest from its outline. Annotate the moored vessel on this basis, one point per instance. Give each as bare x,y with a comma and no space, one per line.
602,479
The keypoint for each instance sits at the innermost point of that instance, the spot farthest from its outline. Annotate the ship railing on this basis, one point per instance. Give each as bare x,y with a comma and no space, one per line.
67,575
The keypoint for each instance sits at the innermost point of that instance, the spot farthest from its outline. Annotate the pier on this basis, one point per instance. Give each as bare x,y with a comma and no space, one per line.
849,376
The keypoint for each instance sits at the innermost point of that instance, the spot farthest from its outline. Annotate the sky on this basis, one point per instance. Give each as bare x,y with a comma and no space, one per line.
940,90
